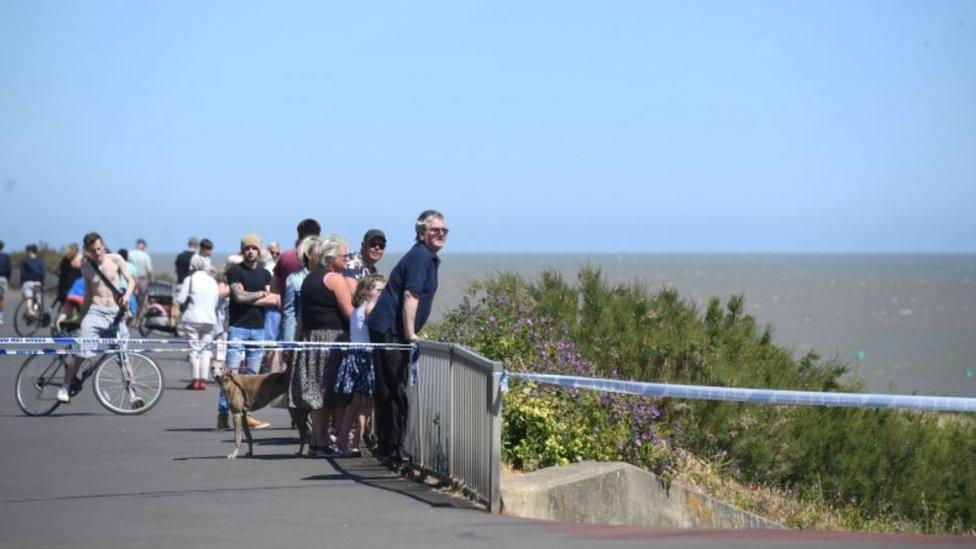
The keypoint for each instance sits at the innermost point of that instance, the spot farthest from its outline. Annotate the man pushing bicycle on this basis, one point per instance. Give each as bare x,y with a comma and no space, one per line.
104,306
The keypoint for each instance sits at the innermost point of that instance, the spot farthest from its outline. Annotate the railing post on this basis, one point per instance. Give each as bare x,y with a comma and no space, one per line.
495,403
452,442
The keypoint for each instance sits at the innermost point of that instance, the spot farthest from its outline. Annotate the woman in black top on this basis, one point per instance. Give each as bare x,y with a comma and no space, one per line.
326,305
68,271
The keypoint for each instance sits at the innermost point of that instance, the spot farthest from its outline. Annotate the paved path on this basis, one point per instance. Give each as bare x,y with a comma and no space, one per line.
84,477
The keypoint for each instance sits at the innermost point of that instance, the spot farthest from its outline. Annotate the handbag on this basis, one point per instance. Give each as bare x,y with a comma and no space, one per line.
189,298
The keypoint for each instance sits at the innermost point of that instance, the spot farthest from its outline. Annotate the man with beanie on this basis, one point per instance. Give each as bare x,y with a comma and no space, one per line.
250,292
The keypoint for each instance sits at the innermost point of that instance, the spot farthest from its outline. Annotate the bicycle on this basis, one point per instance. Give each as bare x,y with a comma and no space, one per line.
28,319
124,383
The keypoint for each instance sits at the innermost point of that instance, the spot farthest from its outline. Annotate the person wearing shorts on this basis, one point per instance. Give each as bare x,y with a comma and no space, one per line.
101,322
31,277
144,272
102,318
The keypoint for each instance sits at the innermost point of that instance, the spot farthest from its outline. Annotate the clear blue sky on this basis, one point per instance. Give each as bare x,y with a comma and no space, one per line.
534,126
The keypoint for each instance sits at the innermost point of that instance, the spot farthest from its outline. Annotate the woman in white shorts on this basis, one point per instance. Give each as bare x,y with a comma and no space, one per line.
199,294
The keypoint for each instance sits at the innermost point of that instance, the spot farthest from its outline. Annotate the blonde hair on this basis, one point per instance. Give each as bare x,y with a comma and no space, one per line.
329,248
305,248
71,251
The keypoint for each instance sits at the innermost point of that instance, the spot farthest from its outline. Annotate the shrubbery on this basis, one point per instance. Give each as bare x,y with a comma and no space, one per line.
870,463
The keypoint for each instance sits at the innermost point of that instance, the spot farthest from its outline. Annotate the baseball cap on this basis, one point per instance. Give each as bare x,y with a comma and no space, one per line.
374,234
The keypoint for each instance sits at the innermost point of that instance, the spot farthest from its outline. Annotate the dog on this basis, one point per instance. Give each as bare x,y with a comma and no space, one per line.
248,393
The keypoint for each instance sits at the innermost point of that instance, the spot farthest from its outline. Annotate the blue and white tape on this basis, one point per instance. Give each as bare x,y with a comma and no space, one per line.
69,345
663,390
759,396
87,341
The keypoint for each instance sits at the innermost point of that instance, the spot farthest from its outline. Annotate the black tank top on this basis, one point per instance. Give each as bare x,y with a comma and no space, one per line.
320,309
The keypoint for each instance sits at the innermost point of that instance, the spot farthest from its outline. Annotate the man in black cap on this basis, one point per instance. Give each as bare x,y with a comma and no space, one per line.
362,264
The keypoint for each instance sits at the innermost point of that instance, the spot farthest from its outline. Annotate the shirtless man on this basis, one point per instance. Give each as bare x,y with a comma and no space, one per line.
101,309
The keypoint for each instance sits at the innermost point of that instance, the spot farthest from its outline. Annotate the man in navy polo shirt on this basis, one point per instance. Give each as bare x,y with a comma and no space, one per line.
399,314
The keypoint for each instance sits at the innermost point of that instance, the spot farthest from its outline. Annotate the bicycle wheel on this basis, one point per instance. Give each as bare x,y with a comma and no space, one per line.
25,322
37,384
128,383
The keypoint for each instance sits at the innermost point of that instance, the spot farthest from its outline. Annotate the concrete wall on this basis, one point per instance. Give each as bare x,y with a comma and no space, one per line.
617,493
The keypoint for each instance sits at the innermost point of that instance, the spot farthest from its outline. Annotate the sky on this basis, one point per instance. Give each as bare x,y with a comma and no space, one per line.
570,126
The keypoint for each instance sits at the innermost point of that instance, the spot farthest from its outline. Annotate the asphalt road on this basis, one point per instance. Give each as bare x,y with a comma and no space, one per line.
83,477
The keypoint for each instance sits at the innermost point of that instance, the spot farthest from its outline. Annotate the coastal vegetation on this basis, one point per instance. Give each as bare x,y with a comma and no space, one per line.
807,467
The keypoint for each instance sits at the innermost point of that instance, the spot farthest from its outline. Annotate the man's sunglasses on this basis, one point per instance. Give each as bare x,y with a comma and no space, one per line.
439,230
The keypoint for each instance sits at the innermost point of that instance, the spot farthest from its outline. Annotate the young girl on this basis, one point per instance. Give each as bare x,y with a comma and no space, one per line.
356,371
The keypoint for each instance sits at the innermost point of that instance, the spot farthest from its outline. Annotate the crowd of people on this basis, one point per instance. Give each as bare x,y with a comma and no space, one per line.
318,291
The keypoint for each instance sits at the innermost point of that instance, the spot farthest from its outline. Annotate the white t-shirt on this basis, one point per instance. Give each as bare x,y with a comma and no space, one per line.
202,288
358,331
142,262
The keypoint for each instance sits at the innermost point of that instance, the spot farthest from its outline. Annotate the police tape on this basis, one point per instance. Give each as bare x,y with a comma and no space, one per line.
758,396
663,390
70,346
86,340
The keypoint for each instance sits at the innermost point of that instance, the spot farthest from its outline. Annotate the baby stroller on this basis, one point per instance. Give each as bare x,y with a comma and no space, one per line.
161,312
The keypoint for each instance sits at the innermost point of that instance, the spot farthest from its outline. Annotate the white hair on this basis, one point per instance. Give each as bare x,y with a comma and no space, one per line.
424,219
329,248
199,263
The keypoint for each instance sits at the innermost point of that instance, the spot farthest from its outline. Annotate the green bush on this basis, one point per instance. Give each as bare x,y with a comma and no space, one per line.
869,463
546,425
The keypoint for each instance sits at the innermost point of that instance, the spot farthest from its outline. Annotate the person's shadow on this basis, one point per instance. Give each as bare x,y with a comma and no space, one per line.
368,472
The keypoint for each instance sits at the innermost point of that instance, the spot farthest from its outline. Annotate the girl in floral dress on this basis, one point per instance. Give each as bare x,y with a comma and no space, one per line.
356,375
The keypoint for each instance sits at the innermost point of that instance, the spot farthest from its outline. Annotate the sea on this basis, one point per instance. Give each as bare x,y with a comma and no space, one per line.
904,324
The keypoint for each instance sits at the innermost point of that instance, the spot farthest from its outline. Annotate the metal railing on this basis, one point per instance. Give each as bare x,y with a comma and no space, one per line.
455,421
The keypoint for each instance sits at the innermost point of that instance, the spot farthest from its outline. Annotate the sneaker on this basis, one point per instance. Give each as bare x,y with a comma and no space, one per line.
222,421
255,423
201,385
76,386
63,396
192,386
